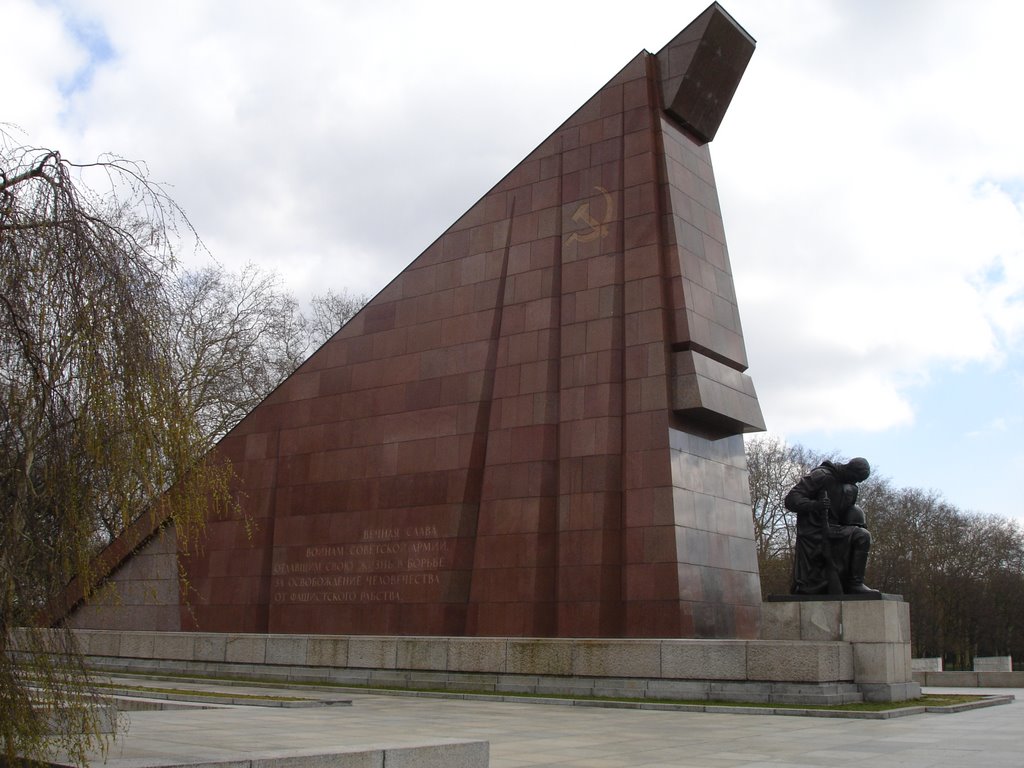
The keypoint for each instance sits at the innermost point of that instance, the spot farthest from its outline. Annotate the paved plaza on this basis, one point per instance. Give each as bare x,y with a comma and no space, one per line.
534,734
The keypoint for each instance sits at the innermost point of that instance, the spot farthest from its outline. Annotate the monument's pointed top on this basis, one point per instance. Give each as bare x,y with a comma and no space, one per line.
701,68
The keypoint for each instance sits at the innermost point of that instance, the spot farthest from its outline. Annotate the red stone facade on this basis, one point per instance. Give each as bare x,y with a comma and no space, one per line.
534,429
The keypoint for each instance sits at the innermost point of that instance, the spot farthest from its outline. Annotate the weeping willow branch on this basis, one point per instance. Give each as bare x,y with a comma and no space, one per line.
91,424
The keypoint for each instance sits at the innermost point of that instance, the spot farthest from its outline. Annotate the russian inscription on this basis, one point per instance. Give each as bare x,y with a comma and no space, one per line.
384,565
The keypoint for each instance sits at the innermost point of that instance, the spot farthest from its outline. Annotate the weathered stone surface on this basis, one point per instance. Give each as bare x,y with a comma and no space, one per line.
287,650
211,647
102,643
796,661
539,657
474,754
377,652
174,645
421,653
476,655
1000,679
724,660
993,664
246,649
137,645
877,632
327,651
822,621
890,691
808,671
636,658
877,663
875,622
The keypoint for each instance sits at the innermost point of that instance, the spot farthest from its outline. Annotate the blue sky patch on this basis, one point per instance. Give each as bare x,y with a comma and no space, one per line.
93,38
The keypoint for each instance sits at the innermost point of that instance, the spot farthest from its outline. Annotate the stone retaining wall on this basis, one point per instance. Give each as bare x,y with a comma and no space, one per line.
993,664
760,671
970,679
811,652
753,660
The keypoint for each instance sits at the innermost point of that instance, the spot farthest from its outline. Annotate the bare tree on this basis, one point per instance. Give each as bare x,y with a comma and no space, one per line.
233,338
773,468
963,573
91,417
330,311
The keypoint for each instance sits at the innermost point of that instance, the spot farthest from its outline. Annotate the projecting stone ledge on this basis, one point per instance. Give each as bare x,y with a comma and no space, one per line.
701,68
854,597
716,395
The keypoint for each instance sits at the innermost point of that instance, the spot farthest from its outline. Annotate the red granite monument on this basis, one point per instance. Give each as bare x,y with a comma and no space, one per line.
534,430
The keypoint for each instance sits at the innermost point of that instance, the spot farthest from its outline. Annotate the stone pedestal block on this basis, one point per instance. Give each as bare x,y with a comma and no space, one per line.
878,632
993,664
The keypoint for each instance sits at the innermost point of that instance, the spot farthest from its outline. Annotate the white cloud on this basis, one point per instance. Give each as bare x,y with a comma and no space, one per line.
858,212
870,168
37,64
336,133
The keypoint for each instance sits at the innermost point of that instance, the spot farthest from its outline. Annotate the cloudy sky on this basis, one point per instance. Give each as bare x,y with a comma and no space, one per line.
871,172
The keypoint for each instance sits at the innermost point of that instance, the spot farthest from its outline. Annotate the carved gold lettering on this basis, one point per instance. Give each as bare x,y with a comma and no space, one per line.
424,563
370,597
381,566
320,552
380,534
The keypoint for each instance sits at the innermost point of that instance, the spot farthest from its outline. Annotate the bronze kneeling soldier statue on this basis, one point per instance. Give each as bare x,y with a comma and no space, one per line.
832,540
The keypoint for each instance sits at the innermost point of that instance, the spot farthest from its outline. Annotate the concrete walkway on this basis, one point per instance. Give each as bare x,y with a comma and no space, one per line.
533,734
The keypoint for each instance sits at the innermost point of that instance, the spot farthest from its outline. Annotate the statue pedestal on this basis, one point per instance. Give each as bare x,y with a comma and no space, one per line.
877,628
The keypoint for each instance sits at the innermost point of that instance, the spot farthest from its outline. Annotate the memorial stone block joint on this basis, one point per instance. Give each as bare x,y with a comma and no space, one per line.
534,430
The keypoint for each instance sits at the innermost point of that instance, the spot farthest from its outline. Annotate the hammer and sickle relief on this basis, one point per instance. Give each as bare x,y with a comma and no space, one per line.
595,229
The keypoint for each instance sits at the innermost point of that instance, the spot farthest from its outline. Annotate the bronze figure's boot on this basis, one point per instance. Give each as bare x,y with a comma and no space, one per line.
855,585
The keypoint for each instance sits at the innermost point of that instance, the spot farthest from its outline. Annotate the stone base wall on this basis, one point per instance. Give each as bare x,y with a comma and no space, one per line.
761,661
781,671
